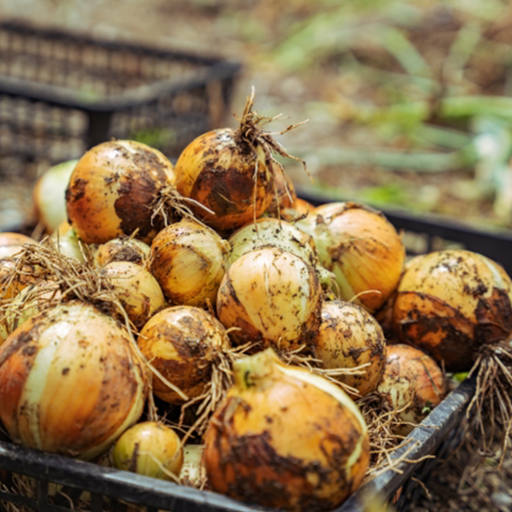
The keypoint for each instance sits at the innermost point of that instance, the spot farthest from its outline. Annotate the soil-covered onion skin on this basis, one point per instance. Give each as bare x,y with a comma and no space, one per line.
413,383
112,189
348,337
217,169
188,260
361,248
453,305
272,297
181,342
70,381
122,249
280,440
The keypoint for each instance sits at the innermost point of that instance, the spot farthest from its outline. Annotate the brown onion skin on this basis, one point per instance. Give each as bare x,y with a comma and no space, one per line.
284,444
217,170
349,336
411,377
122,249
181,343
112,188
453,304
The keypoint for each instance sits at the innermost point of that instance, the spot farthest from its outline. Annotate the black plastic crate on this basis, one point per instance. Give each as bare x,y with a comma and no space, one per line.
62,93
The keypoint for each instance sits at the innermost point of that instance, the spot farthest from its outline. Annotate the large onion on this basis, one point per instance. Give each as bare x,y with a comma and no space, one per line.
181,342
112,189
70,382
188,260
270,296
285,438
349,337
361,248
452,304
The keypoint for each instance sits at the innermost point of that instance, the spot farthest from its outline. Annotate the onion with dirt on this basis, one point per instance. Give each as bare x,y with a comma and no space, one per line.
122,249
285,438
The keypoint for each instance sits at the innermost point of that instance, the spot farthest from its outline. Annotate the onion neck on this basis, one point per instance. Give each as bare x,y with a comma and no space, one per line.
256,372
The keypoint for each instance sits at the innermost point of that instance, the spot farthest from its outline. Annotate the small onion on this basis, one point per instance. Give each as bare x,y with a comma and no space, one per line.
139,292
149,449
50,194
453,304
122,249
271,296
285,438
297,211
12,243
70,381
112,188
349,337
181,342
412,383
69,245
361,248
193,472
188,260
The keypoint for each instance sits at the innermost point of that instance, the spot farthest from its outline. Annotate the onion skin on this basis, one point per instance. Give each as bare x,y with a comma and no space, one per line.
193,473
181,342
112,188
272,297
122,249
453,304
411,377
361,248
285,438
349,337
139,292
188,260
142,445
70,382
217,170
12,243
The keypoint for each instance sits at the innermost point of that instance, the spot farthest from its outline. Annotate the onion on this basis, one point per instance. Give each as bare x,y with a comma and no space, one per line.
299,209
122,249
70,382
182,343
112,189
138,291
188,260
15,277
69,245
285,438
272,297
412,384
453,304
349,337
149,449
193,472
50,195
361,248
12,243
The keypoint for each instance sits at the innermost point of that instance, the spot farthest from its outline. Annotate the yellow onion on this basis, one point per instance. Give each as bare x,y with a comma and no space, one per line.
112,189
349,337
271,296
69,245
361,248
181,342
188,260
139,292
285,438
14,277
412,384
122,249
12,243
193,472
452,304
297,211
149,449
70,381
50,195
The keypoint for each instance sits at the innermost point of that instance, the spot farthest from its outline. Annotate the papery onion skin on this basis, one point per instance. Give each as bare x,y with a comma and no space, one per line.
138,291
217,170
348,337
412,382
12,243
70,382
150,449
272,297
122,249
452,304
181,342
361,248
188,260
285,438
112,189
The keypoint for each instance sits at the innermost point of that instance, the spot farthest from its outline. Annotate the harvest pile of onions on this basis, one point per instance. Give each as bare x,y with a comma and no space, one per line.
255,335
